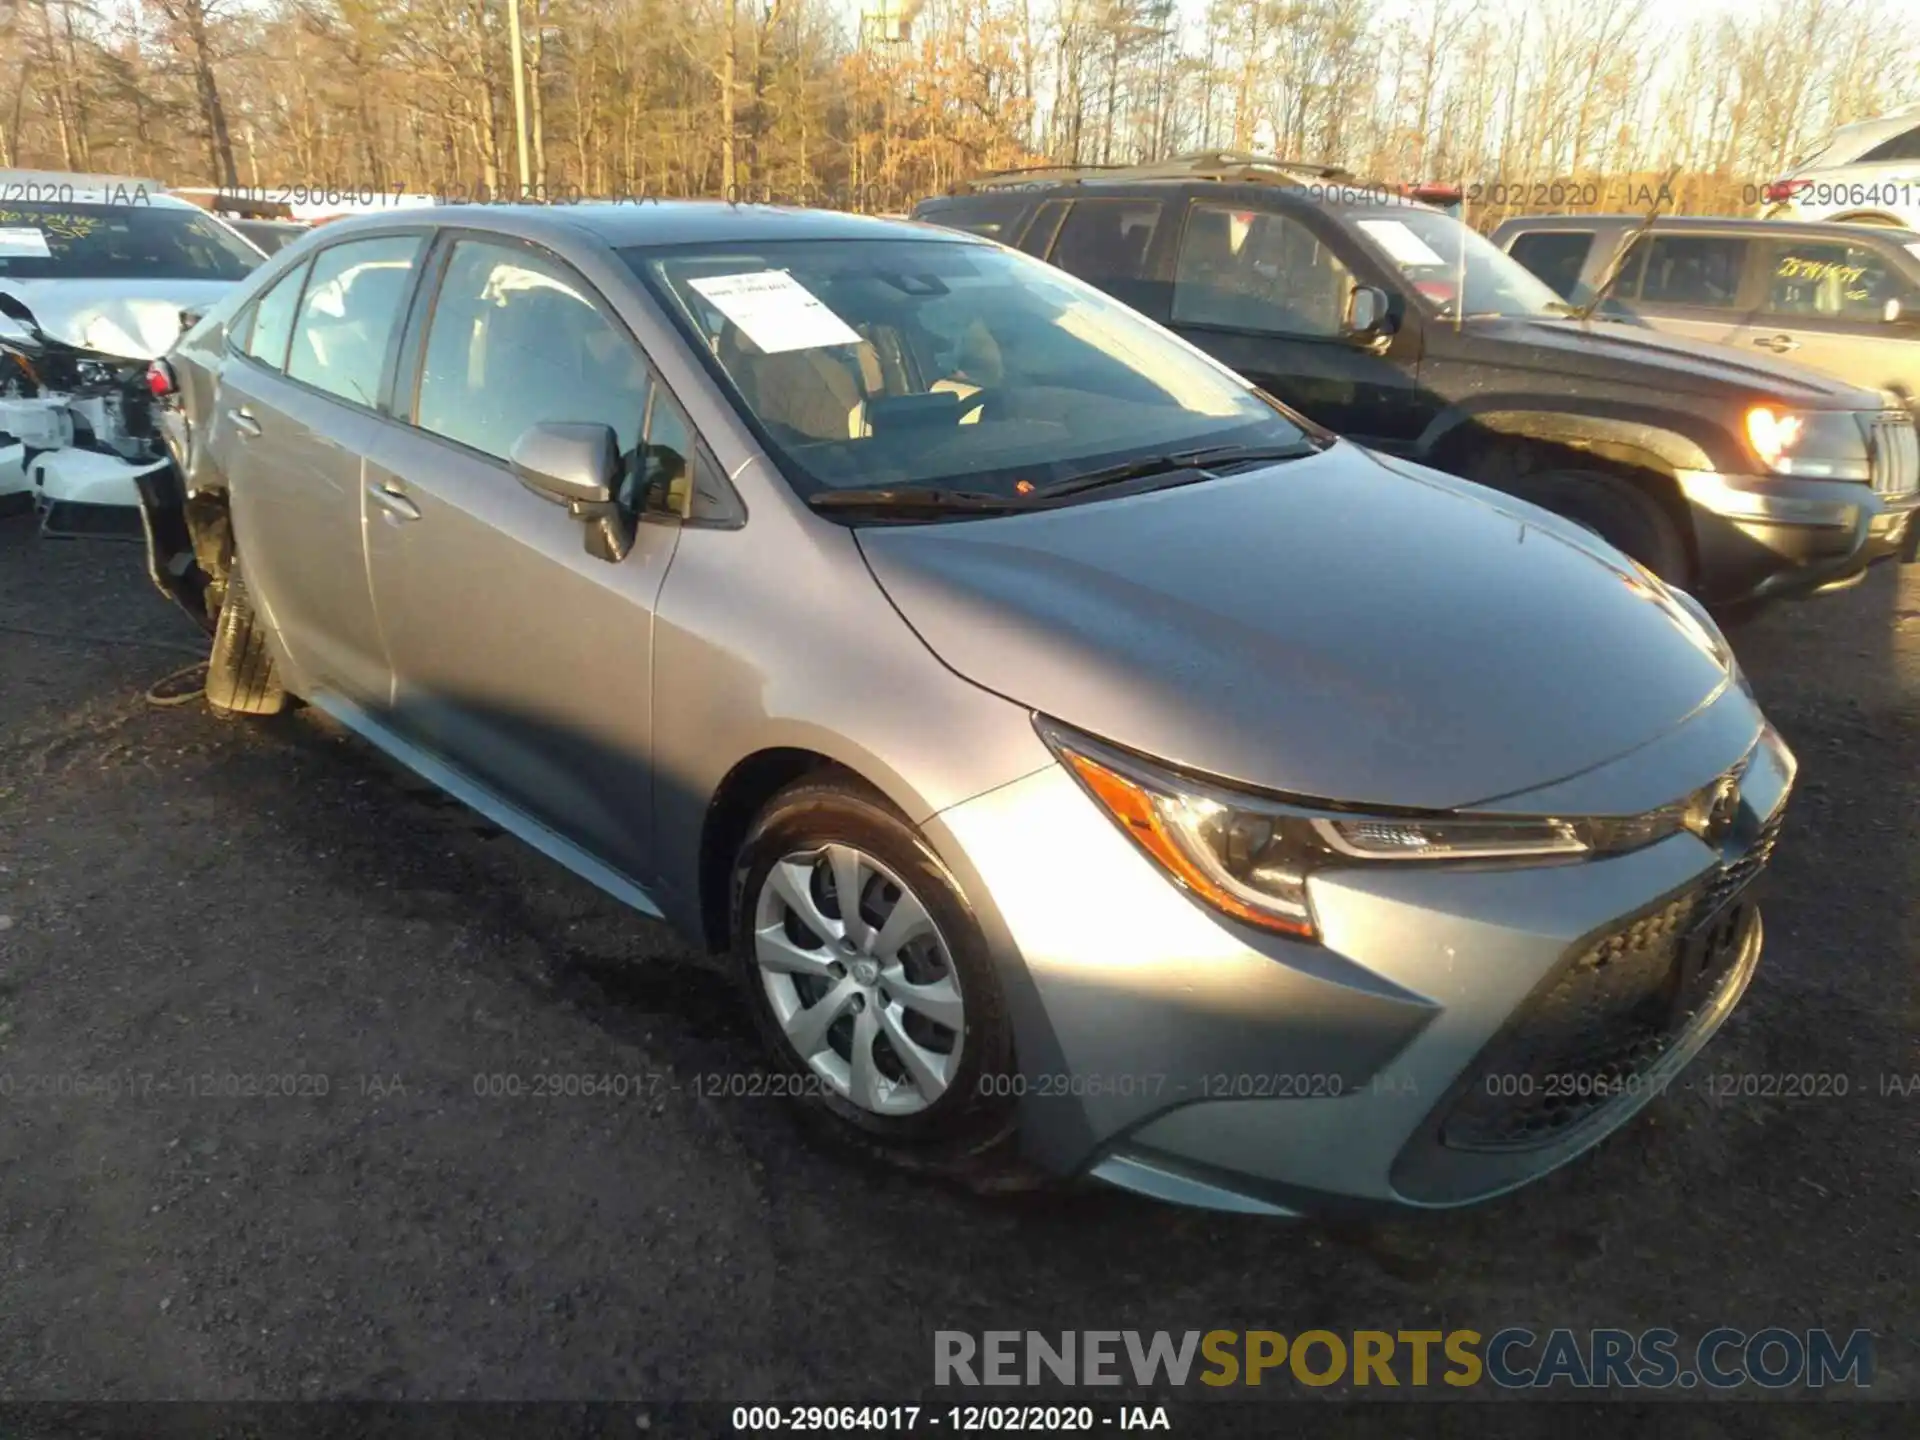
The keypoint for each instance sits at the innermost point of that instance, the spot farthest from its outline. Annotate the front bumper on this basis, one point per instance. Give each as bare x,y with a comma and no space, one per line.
1168,1050
1762,537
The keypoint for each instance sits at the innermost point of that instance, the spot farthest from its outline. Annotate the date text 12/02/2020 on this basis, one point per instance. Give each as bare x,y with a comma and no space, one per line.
373,198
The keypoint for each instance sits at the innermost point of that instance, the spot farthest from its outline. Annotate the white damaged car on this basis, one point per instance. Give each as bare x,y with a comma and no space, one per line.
96,274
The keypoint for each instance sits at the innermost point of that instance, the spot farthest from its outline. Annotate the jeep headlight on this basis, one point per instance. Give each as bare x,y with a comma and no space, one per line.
1810,444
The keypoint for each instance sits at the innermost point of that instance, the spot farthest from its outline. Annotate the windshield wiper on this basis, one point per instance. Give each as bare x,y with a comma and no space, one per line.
1202,462
925,499
936,500
1619,262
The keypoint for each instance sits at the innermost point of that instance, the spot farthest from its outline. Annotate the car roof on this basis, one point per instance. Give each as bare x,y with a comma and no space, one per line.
1785,229
622,223
1862,135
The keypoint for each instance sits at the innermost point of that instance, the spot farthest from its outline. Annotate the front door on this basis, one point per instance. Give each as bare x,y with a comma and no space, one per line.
518,656
1266,294
1824,303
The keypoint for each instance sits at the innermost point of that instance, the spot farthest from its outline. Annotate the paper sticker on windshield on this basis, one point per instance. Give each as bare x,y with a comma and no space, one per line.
23,242
775,311
1401,243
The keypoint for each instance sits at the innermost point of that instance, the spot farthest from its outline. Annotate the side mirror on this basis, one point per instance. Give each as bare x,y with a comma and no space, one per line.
1368,320
578,466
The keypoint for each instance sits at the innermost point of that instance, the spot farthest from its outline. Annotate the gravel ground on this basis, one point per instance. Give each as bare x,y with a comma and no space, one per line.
186,899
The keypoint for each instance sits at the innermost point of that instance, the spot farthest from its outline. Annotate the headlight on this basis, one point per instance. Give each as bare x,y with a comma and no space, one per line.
1816,444
1250,856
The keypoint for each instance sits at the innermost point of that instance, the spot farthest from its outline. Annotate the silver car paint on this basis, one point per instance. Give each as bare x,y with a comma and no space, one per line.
1393,656
775,636
1158,1006
1875,355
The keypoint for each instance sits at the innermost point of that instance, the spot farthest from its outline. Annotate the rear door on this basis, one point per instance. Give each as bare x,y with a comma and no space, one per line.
1825,304
1693,283
518,656
294,418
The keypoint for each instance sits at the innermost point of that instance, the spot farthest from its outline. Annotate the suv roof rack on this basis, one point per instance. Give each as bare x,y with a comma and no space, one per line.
1234,165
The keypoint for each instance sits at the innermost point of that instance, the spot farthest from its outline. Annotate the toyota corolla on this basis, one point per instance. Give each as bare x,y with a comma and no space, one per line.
1086,765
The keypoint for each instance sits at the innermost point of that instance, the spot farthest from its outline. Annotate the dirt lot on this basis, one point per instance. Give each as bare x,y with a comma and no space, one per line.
187,899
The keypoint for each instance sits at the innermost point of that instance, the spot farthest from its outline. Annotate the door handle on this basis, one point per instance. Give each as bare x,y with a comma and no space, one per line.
1779,344
243,421
397,506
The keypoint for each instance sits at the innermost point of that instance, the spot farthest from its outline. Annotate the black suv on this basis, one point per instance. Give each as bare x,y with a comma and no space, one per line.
1735,476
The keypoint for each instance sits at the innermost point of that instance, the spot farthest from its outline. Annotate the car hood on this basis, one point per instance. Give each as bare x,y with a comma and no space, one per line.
1337,628
128,319
1597,350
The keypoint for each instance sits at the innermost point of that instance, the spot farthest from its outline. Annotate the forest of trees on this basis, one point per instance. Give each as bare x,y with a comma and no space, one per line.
878,102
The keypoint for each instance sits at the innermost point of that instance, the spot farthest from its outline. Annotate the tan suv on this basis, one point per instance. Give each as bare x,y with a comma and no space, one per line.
1842,298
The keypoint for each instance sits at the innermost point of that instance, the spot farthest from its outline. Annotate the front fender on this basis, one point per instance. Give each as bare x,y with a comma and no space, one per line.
1648,438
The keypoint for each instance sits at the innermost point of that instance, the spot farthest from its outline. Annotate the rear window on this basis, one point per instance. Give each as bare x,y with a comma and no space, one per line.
45,241
994,218
1905,146
1556,256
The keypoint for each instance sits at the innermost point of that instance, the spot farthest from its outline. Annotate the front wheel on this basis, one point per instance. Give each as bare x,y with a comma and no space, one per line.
870,980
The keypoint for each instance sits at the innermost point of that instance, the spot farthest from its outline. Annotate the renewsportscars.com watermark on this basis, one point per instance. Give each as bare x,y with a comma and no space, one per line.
1514,1358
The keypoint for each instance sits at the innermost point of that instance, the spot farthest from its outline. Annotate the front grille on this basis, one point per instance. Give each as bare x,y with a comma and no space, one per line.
1896,455
1590,1038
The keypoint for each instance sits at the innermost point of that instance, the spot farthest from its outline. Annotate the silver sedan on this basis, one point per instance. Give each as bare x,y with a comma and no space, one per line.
1086,765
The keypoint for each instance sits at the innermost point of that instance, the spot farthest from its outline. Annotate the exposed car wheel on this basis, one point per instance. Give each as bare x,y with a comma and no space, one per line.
1615,510
871,984
241,678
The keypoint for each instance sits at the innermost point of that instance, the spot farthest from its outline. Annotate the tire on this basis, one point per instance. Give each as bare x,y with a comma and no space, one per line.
964,1129
241,678
1616,510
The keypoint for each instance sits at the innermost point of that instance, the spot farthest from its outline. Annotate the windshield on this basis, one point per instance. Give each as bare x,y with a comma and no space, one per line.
887,363
45,241
1455,270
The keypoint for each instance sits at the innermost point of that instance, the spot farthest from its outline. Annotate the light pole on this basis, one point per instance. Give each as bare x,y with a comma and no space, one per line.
519,93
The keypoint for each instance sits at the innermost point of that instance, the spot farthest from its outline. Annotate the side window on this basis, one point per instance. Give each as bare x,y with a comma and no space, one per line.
1697,270
1255,270
1832,280
271,319
1106,240
1556,256
991,216
1904,146
667,469
516,340
1046,225
348,314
